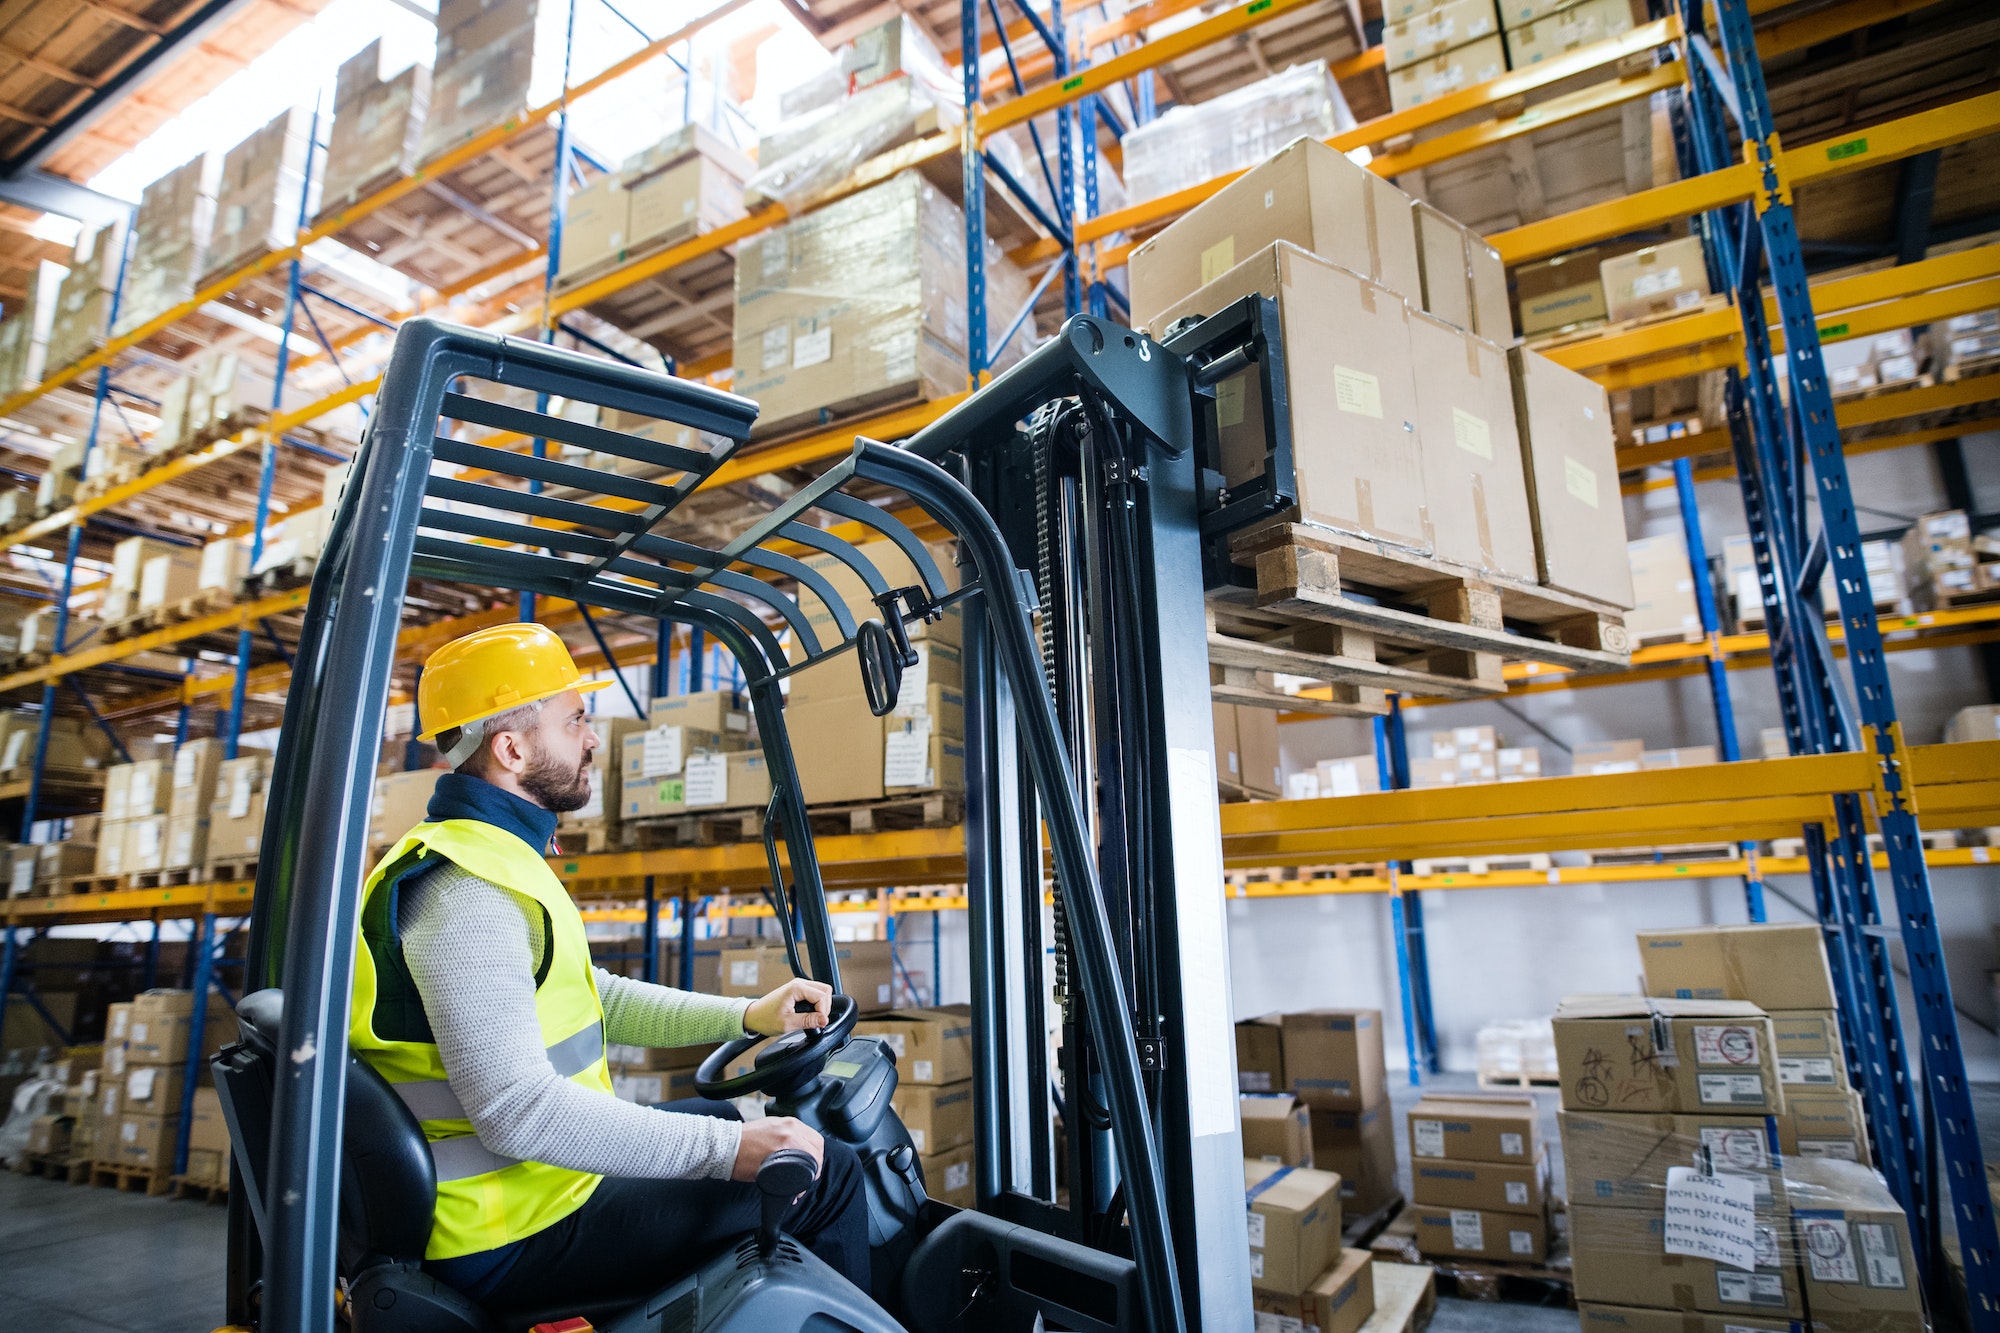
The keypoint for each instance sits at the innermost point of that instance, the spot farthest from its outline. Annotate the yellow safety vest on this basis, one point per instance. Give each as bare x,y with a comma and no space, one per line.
484,1200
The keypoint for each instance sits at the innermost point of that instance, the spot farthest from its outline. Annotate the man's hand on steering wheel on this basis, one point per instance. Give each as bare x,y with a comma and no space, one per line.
795,1006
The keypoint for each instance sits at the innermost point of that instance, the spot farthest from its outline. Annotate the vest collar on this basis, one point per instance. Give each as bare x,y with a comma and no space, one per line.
462,796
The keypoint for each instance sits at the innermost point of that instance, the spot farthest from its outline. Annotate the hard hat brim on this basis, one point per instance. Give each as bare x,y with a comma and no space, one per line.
581,687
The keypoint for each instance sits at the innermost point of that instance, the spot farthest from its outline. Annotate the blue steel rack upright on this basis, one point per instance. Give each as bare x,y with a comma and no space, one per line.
1787,450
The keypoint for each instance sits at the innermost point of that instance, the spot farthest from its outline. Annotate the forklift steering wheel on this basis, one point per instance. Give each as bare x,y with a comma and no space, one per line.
789,1060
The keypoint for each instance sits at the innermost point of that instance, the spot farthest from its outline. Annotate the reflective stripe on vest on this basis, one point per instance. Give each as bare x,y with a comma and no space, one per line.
486,1200
433,1099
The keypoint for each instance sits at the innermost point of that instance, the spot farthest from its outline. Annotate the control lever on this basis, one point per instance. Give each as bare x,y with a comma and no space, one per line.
784,1176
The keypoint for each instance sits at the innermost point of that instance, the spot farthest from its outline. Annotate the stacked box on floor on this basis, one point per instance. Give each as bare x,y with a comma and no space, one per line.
208,1141
151,1037
236,815
1649,1085
1944,559
1331,1060
1781,969
861,303
1441,49
1479,1178
1539,30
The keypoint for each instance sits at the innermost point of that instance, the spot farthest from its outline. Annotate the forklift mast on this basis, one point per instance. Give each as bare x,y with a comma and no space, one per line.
1096,733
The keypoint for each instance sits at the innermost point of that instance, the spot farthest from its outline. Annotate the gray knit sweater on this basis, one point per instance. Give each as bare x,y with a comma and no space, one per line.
473,949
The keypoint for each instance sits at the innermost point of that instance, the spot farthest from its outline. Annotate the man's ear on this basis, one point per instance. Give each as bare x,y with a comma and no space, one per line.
508,752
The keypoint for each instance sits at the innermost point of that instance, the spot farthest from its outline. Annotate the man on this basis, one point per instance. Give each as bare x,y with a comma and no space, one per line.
474,995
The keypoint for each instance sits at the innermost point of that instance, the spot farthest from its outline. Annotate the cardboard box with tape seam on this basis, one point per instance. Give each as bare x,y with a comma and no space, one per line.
1571,468
1294,1220
1475,489
1621,1160
1853,1242
1360,1148
931,1045
1476,1234
1476,1129
1340,1300
1626,1054
1775,967
1618,1256
1492,1187
1330,1059
1277,1127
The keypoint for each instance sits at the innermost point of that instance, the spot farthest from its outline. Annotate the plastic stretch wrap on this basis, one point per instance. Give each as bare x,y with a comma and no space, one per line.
1192,144
24,337
377,127
805,158
477,87
257,204
176,215
862,303
893,48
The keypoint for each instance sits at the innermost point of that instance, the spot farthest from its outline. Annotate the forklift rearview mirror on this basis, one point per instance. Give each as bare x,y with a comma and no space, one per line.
881,666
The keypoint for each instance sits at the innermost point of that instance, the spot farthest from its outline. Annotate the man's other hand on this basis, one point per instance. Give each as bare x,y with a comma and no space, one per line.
795,1005
763,1137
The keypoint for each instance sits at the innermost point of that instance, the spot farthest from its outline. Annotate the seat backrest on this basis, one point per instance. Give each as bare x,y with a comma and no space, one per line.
388,1186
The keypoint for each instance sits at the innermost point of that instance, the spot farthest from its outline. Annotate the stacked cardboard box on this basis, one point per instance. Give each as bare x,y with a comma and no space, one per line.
1334,777
1782,969
1654,1084
236,815
171,232
1856,365
74,742
1963,343
1517,1050
1944,559
485,61
1539,30
377,127
191,795
220,395
1561,293
1464,280
1655,280
1479,1178
861,303
1448,46
695,752
933,1050
24,338
1331,1060
866,967
208,1141
597,819
1192,144
142,1086
82,317
257,203
1294,1216
133,836
1664,608
402,801
691,182
1458,756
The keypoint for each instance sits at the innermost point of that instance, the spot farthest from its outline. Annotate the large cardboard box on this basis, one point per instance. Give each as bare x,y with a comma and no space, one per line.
718,781
1476,1129
377,123
145,844
1359,1147
1557,293
1340,1300
1657,280
145,1141
1619,1257
1464,278
1356,456
208,1130
838,749
1277,1127
1617,1053
154,1089
931,1045
1664,607
111,843
1631,1319
1492,1187
898,571
1810,1054
235,837
597,222
1585,23
186,842
1853,1242
195,767
1445,28
714,712
1246,748
1307,195
257,202
161,1021
938,1116
402,801
1775,967
948,1177
759,969
1330,1059
1822,1123
1440,76
1475,490
1519,1238
1572,472
1294,1224
1621,1160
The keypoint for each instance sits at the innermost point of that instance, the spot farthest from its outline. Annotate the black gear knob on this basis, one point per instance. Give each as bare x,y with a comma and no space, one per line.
783,1177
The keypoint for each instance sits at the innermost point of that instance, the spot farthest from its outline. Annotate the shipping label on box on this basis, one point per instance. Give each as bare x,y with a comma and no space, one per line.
1688,1056
930,1045
1510,1237
1622,1160
1810,1054
1494,1187
1619,1257
1499,1129
938,1116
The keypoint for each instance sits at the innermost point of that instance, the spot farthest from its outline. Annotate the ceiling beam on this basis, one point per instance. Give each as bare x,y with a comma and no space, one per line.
48,193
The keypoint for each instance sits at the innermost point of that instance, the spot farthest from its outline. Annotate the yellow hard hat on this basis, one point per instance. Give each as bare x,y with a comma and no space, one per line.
492,670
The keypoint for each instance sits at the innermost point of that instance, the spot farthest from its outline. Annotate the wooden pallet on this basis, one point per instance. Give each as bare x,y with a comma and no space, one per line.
1405,1298
161,879
1245,648
74,884
54,775
1413,612
204,603
1480,865
294,573
208,1191
690,830
1295,874
130,1179
1546,1283
1637,856
1357,1233
230,870
588,839
937,809
60,1167
1518,1081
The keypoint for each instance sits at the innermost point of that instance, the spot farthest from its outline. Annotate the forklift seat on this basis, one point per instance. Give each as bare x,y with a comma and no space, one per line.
388,1188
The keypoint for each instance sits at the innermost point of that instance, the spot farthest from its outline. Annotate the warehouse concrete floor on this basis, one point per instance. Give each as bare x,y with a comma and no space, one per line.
81,1260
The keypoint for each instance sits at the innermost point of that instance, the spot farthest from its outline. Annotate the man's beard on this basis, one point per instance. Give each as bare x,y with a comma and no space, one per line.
554,785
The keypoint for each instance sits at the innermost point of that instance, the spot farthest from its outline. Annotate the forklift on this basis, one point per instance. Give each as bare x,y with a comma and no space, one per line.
1084,491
